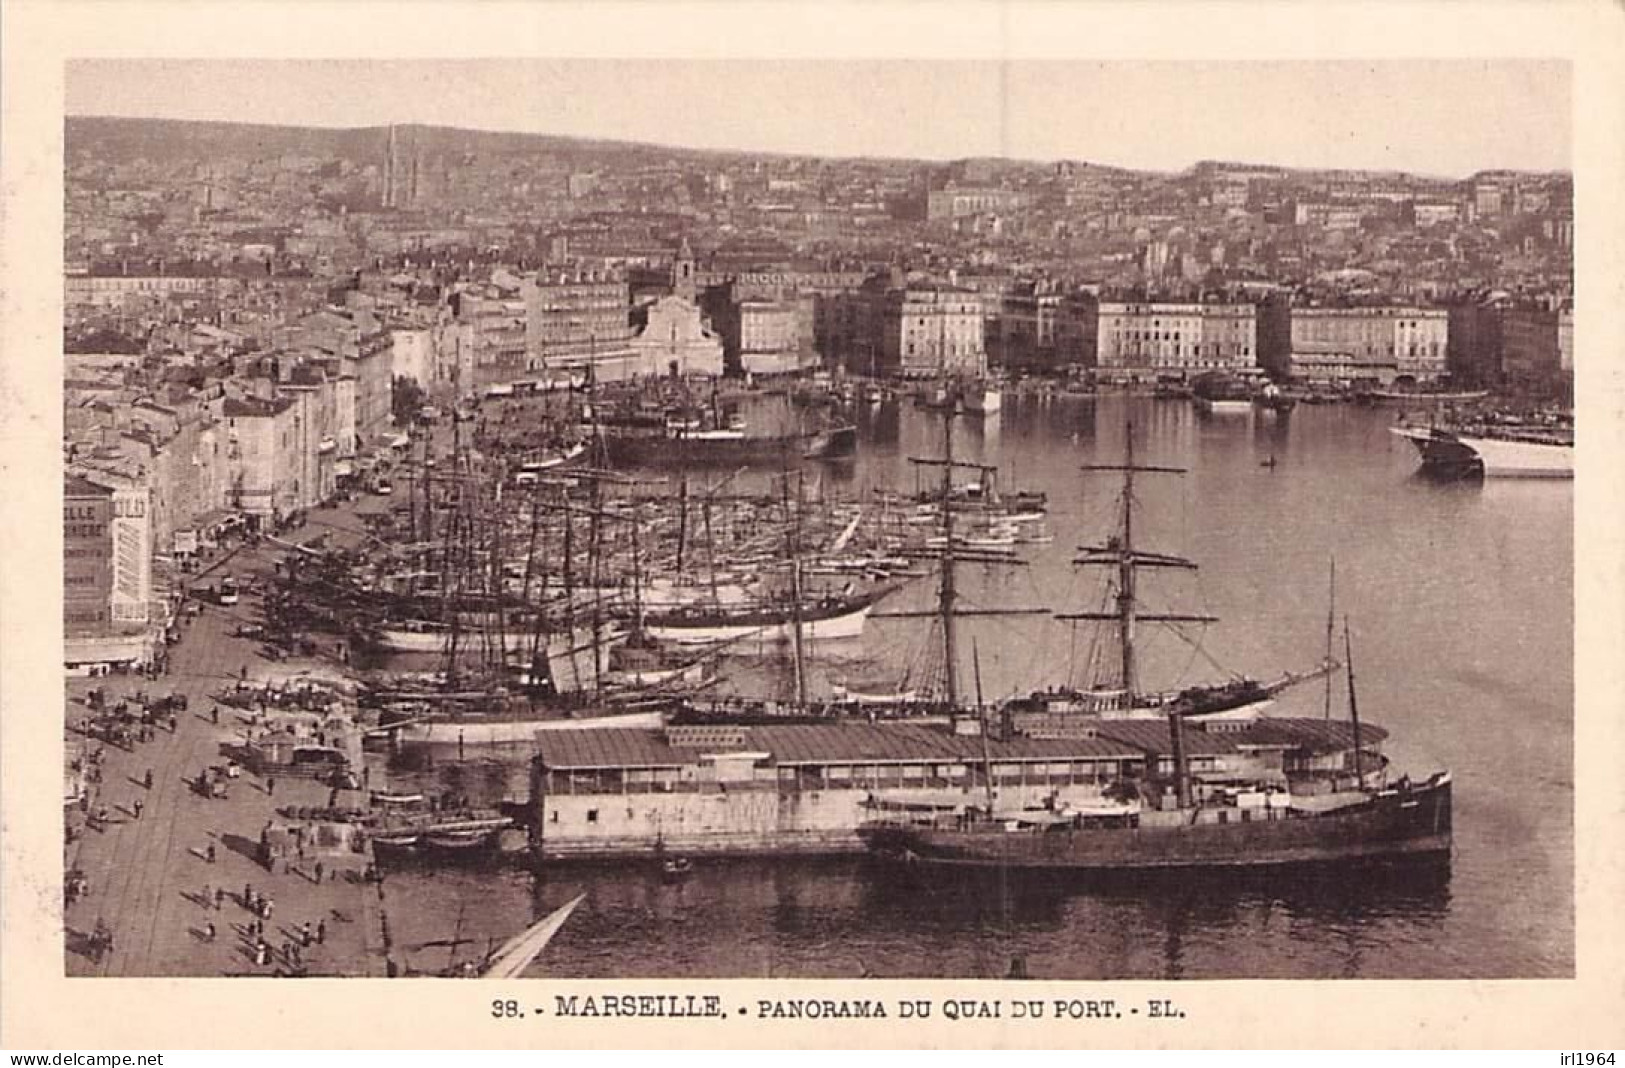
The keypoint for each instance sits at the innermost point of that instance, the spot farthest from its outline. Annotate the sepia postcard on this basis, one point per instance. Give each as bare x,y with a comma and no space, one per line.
949,524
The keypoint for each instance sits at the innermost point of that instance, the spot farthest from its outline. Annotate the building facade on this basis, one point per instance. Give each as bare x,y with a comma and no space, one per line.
960,202
1536,345
672,340
87,557
263,437
1039,329
574,320
1391,343
763,335
1144,342
931,331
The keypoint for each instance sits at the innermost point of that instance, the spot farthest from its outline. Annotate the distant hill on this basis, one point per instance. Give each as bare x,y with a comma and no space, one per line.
118,139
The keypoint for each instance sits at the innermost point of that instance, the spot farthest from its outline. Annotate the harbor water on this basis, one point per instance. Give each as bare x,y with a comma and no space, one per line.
1459,598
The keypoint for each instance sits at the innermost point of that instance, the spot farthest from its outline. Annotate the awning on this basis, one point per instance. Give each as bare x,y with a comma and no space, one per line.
400,441
343,468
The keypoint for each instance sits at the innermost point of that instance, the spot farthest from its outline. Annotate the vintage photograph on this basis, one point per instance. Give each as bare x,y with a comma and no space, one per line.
830,519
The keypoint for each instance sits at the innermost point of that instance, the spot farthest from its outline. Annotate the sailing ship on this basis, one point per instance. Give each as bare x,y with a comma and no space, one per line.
1226,788
1493,451
511,958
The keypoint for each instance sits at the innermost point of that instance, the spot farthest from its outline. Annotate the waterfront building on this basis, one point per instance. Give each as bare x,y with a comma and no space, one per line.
1040,329
87,557
574,320
1144,342
764,331
129,529
1392,343
931,331
1473,345
263,437
1537,343
497,335
728,789
671,339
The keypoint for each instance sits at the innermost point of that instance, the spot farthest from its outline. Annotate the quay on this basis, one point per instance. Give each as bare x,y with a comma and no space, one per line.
147,875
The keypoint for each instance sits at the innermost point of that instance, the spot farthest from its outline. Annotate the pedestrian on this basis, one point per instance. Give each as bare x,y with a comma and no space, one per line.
321,931
318,871
214,715
210,852
269,905
147,779
136,806
306,934
270,786
219,898
248,895
208,931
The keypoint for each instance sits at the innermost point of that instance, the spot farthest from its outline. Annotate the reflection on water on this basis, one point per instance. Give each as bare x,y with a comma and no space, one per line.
1460,598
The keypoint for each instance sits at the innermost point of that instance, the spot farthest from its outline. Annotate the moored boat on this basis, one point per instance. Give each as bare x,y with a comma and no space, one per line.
1498,453
1222,784
1218,394
832,617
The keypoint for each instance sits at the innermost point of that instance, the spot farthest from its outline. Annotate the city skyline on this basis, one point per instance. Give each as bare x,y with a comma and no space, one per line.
1447,119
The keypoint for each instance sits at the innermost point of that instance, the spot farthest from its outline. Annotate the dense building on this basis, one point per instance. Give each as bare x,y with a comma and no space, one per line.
575,319
263,436
1039,329
932,330
130,532
1473,347
960,202
1144,342
108,286
412,354
1388,343
764,330
87,557
497,335
1537,344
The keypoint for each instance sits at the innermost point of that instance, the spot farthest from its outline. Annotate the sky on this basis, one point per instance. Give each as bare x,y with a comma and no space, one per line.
1442,117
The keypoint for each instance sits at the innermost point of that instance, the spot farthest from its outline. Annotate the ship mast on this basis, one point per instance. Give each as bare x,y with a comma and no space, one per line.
1331,621
1354,705
1119,552
946,592
797,633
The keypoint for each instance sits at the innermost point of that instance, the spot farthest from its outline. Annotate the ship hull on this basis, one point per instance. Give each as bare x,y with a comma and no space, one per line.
507,732
1223,406
1393,824
847,624
663,450
1461,455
